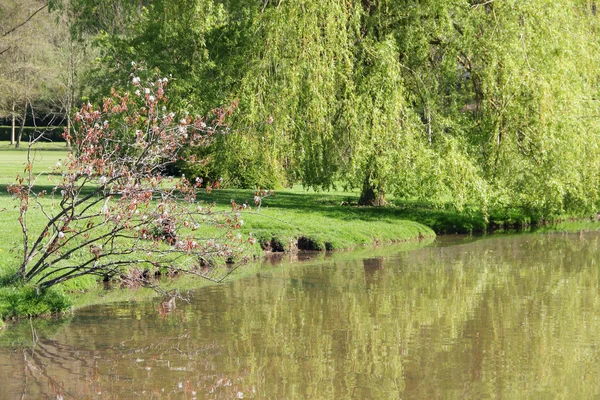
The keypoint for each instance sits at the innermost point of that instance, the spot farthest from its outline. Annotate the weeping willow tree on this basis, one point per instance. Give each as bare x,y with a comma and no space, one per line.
475,103
434,163
534,80
507,97
326,98
295,94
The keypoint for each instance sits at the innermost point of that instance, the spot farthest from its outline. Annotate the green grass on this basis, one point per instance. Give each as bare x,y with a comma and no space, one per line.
12,161
24,300
42,145
319,220
291,218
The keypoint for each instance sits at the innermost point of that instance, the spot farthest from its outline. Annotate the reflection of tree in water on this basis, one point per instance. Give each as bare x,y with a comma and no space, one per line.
45,365
507,317
168,368
372,266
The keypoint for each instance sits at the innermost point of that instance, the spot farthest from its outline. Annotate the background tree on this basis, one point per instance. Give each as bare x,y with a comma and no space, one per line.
477,104
39,60
533,72
18,56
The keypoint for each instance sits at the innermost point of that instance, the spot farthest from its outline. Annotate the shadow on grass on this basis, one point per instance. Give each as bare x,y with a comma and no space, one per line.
338,205
342,206
34,150
38,189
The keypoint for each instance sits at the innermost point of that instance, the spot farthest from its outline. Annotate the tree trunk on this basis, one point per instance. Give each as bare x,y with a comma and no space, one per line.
20,136
428,118
70,89
12,131
371,196
68,131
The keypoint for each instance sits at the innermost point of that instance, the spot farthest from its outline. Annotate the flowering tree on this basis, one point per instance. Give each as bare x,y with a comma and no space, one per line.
113,210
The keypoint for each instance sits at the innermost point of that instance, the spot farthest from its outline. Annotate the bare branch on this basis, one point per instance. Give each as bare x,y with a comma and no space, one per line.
24,22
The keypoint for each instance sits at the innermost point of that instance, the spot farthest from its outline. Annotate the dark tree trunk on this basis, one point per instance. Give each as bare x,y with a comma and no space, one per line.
12,130
20,135
371,196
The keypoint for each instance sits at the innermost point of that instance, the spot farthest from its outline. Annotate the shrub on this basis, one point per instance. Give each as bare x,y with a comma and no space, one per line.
114,206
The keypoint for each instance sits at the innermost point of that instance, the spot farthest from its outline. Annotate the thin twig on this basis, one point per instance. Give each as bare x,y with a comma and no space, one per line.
24,22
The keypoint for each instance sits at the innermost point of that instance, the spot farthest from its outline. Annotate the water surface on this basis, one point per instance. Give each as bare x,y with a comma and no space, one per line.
507,317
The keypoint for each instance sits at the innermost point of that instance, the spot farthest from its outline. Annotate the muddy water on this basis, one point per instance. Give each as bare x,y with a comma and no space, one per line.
508,317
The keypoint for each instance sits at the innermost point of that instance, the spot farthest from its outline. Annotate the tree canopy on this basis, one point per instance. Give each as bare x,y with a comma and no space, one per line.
476,103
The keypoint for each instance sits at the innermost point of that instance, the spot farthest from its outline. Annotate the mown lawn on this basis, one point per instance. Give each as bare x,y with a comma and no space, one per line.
325,220
12,163
289,219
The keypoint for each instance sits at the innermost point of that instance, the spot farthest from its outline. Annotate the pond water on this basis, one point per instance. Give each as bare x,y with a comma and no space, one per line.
504,317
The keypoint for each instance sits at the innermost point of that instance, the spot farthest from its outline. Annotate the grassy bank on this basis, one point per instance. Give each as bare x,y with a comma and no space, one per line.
291,219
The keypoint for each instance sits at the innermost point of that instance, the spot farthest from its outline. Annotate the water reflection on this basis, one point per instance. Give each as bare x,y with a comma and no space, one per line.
514,317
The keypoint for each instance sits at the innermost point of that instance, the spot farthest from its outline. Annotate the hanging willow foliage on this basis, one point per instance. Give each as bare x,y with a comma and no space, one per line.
475,103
